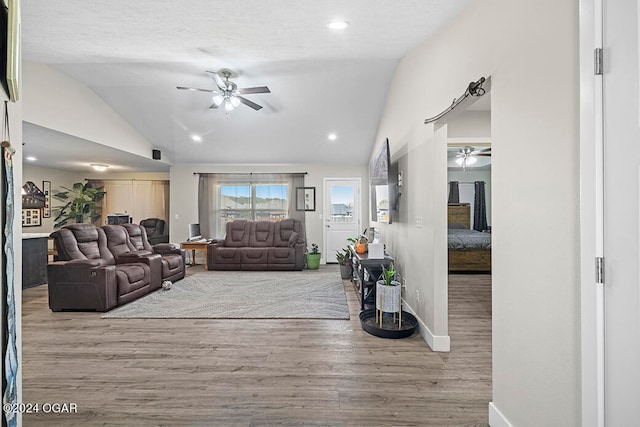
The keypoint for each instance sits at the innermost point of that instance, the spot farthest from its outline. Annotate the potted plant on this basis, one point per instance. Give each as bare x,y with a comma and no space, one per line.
81,204
313,257
344,259
388,292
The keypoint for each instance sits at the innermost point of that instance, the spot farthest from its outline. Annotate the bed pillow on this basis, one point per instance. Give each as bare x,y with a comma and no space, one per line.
458,225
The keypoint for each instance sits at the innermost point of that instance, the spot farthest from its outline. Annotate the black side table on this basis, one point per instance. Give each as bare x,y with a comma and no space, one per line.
362,262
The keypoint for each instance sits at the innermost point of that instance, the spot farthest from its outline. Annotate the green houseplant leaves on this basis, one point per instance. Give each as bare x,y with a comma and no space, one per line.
81,204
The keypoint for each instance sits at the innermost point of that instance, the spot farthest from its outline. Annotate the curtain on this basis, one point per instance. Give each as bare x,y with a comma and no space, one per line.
265,193
479,207
454,193
141,199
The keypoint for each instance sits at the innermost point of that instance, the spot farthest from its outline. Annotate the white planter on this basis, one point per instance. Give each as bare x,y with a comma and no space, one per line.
388,297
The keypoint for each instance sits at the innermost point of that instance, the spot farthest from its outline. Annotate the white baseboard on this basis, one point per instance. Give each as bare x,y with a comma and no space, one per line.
497,418
441,343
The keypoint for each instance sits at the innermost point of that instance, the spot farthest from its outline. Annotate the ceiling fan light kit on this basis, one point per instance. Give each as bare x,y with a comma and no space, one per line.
228,93
467,155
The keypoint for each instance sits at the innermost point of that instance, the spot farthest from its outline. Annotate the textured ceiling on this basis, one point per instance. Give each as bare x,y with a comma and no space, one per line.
133,54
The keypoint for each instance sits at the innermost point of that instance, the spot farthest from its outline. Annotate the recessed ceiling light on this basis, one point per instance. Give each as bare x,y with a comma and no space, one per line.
332,137
337,25
196,138
99,167
31,158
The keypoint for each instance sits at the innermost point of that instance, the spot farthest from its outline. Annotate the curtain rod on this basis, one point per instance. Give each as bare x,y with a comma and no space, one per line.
474,89
250,173
125,179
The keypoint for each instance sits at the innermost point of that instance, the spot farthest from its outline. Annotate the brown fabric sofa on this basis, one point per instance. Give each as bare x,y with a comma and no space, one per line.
172,258
259,245
87,276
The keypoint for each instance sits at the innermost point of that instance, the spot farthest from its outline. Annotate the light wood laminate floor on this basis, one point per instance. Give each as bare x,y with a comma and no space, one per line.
190,372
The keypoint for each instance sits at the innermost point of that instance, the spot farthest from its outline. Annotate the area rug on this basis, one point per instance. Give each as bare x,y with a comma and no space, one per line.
307,294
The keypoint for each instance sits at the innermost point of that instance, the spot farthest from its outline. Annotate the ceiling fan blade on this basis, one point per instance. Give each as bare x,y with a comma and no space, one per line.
216,78
484,150
483,154
250,90
193,88
248,103
214,105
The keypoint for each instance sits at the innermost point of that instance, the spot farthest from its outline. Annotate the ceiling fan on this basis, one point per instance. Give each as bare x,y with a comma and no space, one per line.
466,156
228,93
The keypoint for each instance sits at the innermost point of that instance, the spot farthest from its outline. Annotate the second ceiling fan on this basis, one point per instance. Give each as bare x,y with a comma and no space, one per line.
466,155
228,94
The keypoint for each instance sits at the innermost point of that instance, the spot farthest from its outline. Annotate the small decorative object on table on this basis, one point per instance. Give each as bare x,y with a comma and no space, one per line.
313,257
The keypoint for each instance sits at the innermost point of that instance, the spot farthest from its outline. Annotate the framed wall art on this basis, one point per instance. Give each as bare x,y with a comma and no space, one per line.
31,217
306,198
46,189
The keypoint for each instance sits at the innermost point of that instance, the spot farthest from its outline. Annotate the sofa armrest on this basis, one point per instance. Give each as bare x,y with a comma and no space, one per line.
79,263
136,256
77,285
216,244
167,248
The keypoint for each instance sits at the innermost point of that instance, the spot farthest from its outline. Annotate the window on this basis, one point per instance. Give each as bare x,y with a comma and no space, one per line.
264,201
224,197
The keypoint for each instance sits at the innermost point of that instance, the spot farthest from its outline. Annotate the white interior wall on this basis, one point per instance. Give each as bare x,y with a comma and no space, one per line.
471,124
84,115
184,193
536,310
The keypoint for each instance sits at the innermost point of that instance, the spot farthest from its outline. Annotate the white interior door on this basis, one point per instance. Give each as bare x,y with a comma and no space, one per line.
341,214
621,213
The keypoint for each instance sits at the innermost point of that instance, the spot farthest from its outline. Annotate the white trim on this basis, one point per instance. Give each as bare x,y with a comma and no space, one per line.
323,260
591,216
497,418
440,343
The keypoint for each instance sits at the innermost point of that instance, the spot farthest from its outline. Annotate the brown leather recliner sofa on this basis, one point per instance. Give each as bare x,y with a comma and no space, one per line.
99,268
259,245
155,229
172,258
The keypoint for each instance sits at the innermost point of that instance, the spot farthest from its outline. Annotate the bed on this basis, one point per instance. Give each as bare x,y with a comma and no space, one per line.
469,250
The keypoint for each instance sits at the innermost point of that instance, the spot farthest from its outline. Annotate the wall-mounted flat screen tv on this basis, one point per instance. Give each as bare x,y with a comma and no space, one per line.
380,181
10,48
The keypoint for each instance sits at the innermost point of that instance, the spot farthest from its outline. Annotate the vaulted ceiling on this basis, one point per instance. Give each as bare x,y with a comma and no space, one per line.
133,54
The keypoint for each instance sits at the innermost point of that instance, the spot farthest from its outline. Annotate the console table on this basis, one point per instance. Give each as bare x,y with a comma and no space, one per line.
197,246
373,266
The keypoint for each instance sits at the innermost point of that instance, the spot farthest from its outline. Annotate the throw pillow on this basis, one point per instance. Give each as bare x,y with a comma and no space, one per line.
293,239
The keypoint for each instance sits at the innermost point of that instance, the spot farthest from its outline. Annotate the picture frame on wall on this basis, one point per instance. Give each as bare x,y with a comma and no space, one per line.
31,218
46,189
306,198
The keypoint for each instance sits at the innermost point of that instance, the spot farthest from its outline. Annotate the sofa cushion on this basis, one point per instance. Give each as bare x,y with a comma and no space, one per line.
283,231
224,255
82,241
237,234
254,255
282,256
261,234
132,277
